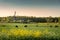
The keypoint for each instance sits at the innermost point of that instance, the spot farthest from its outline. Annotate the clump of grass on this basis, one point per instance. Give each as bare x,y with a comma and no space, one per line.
51,26
36,25
3,25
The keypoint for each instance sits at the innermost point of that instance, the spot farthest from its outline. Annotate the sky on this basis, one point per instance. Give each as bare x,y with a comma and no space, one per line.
38,8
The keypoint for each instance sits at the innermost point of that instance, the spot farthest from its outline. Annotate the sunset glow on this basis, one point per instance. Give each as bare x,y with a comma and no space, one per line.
29,8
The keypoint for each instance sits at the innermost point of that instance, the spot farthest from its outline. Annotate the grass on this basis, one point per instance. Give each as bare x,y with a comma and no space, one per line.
35,31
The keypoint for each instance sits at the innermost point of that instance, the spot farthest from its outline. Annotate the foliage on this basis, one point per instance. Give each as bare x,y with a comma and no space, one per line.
26,19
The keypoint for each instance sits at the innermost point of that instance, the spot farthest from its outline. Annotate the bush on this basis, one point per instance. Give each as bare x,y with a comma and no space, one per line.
56,26
16,26
25,26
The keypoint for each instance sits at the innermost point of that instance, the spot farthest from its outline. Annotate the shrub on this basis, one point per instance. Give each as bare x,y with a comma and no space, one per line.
56,26
16,26
25,26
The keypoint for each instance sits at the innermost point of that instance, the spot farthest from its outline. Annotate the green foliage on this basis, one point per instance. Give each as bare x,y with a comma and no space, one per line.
26,19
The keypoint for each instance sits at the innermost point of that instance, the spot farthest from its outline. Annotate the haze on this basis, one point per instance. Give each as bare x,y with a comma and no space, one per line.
38,8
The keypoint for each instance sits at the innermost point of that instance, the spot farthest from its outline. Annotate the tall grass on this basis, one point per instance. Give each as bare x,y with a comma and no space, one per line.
31,32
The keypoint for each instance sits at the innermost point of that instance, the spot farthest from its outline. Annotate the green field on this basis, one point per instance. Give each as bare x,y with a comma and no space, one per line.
33,31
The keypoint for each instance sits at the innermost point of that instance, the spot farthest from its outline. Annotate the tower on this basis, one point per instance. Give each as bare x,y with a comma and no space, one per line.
14,17
14,13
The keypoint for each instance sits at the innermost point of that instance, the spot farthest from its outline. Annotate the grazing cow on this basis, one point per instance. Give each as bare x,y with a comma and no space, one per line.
25,26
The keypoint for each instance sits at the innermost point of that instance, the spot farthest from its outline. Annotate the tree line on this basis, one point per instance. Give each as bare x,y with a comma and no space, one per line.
26,19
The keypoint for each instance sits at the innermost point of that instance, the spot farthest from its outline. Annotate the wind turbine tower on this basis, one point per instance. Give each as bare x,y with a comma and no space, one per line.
14,16
14,13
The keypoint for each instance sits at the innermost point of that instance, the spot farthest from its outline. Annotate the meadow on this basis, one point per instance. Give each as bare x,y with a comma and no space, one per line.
30,31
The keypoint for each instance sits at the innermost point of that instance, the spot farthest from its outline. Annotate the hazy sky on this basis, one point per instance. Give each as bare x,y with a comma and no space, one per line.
38,8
